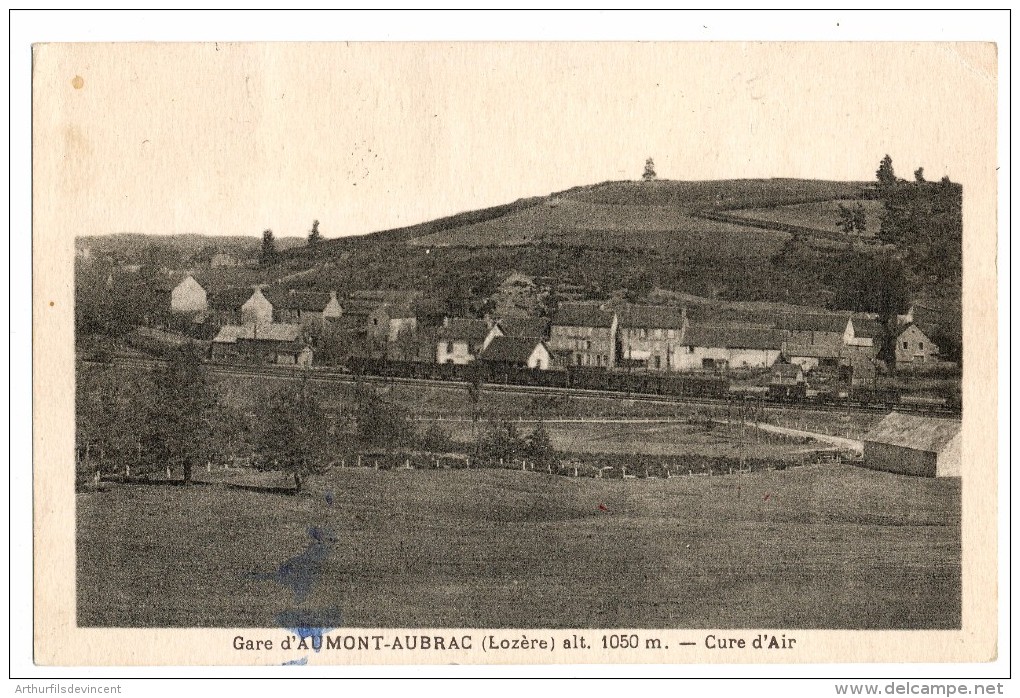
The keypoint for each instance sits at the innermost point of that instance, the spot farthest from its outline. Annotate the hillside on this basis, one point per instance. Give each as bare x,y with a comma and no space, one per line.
747,240
626,237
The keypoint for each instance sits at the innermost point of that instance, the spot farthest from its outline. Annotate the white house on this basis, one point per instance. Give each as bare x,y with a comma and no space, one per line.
723,348
914,347
460,340
257,310
188,297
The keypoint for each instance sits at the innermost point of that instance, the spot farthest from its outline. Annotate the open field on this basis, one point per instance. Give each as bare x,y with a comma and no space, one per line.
820,215
815,547
675,439
664,228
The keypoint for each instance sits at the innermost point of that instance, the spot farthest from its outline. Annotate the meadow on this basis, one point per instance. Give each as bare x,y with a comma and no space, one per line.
613,226
814,547
819,215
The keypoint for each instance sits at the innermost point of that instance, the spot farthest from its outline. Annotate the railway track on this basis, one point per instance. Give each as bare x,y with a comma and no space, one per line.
329,375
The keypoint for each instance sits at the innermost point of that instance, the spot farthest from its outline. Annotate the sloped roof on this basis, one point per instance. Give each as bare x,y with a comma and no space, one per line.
651,316
582,315
298,300
229,299
510,350
903,328
805,322
732,337
274,332
914,432
470,330
524,327
813,351
864,327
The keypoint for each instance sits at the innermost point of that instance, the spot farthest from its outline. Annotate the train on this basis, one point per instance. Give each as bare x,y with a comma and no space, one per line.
699,387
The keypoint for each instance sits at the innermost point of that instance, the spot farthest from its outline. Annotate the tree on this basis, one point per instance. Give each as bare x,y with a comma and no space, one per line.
314,236
269,254
292,434
379,422
885,174
181,425
539,447
919,175
434,438
852,220
503,442
649,173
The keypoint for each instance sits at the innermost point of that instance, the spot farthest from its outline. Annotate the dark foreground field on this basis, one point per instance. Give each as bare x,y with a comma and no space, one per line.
814,547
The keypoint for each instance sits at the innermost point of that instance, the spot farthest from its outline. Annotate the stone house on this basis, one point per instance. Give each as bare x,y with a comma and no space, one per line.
650,336
583,334
460,340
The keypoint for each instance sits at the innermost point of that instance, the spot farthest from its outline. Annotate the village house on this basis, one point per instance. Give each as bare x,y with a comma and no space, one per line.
257,310
583,334
862,332
221,260
188,297
225,306
707,348
517,352
787,381
275,343
914,445
532,327
914,347
813,329
812,357
304,307
649,336
460,340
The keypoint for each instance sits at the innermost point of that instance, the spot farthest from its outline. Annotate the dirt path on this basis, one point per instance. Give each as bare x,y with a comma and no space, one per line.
840,441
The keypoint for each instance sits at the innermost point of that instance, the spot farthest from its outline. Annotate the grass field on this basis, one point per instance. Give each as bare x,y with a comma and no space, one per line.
814,547
666,228
821,215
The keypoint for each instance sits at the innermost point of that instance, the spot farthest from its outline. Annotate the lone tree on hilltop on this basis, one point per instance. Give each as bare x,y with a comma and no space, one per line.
885,174
314,236
269,253
649,173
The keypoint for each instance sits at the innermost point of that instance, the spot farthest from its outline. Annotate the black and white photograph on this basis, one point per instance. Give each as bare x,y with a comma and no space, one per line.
618,346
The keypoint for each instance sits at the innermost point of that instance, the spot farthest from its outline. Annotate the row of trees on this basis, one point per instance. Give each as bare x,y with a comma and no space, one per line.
923,219
270,255
177,419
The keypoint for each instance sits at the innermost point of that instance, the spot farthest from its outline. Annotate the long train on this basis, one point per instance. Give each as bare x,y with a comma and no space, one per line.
696,388
715,387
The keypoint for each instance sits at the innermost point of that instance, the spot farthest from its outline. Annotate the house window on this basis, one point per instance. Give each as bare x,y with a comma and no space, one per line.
658,362
920,345
905,345
449,347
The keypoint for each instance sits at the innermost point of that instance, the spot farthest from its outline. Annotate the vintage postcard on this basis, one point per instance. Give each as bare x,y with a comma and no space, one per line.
491,353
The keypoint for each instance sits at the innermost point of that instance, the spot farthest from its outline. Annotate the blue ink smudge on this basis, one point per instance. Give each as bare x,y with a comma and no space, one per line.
297,662
311,624
329,497
299,572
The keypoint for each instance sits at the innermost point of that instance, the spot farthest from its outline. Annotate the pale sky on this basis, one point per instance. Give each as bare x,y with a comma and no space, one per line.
235,138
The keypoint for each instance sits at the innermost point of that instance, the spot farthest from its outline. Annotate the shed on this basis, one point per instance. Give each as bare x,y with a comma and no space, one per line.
915,445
